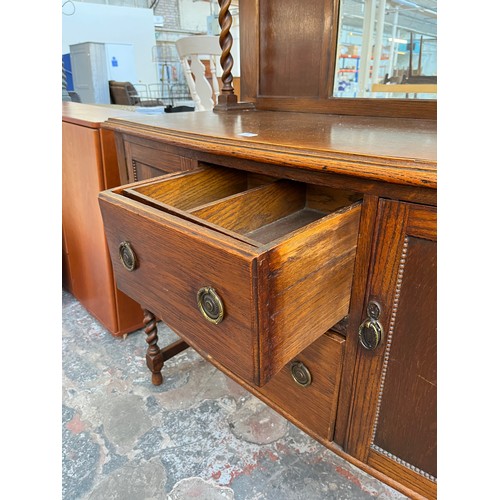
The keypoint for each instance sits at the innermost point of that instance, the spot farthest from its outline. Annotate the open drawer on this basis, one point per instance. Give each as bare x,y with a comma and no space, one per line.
250,272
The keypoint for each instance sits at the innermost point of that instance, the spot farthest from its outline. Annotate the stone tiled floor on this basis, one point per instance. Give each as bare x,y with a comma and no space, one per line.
199,435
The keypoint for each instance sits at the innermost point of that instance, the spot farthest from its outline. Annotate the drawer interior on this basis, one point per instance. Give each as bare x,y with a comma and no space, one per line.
266,213
255,210
188,190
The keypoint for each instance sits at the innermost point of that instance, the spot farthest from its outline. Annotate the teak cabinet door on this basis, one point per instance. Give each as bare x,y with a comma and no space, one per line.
393,416
88,167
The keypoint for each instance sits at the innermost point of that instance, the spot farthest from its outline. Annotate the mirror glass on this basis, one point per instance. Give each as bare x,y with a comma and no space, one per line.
387,49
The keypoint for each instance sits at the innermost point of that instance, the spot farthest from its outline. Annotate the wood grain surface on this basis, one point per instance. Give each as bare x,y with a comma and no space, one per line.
289,69
267,288
289,64
175,261
393,414
88,115
315,405
396,151
285,269
89,165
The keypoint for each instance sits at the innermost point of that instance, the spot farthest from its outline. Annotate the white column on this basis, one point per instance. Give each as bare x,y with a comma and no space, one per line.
392,55
377,53
366,46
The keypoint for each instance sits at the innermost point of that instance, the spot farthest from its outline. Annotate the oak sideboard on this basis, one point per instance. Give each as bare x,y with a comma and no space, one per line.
297,253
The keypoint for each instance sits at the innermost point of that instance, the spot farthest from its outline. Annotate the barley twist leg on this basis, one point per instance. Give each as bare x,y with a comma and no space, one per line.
154,357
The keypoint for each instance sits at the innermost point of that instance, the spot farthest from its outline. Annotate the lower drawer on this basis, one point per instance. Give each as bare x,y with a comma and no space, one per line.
307,388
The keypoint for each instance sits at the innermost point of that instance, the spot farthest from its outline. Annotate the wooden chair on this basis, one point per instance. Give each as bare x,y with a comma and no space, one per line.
192,50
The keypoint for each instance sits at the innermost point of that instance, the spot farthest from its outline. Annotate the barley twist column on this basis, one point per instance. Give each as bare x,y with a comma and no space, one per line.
227,99
226,43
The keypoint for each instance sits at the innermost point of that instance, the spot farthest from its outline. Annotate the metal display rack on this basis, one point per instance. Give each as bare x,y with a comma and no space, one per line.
172,89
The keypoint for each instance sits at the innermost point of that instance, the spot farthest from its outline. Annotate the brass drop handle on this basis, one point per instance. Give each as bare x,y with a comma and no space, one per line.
370,331
127,256
300,374
210,305
370,334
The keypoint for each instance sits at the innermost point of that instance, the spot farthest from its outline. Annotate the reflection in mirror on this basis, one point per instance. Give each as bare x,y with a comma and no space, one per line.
387,48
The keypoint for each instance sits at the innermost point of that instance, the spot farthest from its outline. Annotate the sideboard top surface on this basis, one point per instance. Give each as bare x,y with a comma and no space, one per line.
91,115
400,151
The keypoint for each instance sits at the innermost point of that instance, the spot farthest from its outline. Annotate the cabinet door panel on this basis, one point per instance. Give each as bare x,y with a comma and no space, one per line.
406,423
88,167
393,418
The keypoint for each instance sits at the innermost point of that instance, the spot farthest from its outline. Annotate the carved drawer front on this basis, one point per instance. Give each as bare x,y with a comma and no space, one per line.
145,162
249,274
307,388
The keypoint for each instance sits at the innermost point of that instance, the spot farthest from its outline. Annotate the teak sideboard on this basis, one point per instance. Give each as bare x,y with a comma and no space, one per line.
297,253
89,165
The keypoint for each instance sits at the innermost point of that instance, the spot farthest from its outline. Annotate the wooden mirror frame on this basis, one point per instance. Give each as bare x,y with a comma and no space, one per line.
254,21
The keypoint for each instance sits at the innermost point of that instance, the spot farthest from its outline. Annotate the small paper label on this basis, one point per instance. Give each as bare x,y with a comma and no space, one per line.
247,134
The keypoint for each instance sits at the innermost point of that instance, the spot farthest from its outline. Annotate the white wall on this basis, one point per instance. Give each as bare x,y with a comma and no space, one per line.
193,15
109,24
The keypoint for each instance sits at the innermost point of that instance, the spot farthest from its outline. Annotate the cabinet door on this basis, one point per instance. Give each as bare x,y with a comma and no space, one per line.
88,167
393,415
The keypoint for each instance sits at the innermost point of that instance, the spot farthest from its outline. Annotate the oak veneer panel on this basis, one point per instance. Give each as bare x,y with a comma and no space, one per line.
142,171
408,413
145,162
315,405
393,415
269,203
289,56
420,487
310,270
356,312
249,50
387,150
161,160
189,190
174,263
